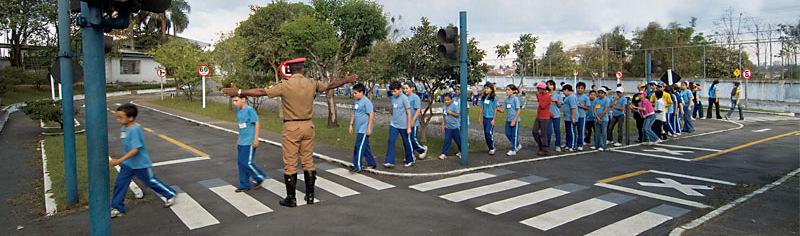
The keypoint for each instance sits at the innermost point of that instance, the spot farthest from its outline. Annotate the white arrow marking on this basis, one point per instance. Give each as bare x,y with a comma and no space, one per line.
688,189
761,130
671,152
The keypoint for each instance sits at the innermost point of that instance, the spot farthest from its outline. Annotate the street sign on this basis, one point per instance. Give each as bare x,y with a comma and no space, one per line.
161,72
736,73
747,74
574,73
619,75
203,70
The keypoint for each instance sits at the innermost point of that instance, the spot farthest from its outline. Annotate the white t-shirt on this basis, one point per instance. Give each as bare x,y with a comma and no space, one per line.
660,106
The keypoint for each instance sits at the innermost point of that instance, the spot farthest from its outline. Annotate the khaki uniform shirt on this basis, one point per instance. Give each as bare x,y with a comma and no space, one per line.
297,96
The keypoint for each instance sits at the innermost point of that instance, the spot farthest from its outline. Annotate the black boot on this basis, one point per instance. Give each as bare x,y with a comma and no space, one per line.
310,177
291,184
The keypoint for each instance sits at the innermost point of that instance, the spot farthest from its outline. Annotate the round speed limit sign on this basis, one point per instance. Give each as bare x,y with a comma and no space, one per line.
747,74
203,70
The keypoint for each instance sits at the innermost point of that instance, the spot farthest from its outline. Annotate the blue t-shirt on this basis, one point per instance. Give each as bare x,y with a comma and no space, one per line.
399,116
246,118
554,110
600,105
712,93
416,104
512,106
133,137
686,97
609,102
362,108
451,122
671,108
590,113
489,106
621,102
570,103
583,100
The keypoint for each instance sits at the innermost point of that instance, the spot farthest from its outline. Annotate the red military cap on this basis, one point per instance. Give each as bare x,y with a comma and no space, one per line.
295,61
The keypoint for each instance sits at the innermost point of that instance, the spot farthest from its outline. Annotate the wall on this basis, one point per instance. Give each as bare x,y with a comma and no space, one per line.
147,71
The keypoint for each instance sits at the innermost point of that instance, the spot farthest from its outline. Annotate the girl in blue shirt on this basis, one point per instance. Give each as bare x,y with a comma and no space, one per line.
513,108
488,108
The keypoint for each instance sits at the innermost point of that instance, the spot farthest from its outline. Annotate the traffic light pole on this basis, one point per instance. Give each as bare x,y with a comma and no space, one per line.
648,68
91,22
68,110
463,78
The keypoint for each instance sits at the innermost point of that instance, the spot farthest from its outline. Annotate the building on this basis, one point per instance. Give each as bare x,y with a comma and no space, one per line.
131,67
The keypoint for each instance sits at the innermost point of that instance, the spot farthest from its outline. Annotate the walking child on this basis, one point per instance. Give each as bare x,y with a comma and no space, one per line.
590,118
136,162
620,102
249,128
450,126
542,117
601,110
513,109
583,107
661,115
555,116
416,103
648,113
570,109
361,124
488,108
401,124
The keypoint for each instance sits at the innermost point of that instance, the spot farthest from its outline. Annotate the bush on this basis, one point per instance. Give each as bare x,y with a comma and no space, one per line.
45,110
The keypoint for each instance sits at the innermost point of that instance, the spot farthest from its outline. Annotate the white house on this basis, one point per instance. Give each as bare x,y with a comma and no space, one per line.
131,67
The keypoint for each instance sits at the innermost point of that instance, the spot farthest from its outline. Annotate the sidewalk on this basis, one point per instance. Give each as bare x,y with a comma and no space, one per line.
20,175
774,212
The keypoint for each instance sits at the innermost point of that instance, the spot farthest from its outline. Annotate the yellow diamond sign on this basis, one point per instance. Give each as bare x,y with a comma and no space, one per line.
736,73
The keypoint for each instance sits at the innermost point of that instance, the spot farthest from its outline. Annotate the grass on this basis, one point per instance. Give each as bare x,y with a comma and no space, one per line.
23,93
338,136
54,148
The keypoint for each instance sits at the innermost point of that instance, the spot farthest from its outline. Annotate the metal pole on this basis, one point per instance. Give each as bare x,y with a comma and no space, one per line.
462,16
96,119
648,67
68,115
745,81
204,92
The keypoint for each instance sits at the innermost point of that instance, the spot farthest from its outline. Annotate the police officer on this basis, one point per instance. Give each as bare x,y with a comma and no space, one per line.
297,100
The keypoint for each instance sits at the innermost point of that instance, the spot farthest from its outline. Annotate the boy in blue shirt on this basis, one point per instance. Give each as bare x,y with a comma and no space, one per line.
570,109
620,102
450,126
135,162
513,109
590,118
249,127
361,119
400,125
601,110
583,107
416,105
686,97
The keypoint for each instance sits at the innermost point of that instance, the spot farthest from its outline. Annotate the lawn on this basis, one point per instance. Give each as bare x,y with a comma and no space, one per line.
23,93
338,136
54,148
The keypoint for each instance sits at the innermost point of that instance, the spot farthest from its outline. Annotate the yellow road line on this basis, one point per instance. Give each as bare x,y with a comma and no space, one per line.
623,176
178,143
743,146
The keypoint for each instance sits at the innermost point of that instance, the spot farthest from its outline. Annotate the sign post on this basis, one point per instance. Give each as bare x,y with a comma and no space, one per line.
574,77
161,72
746,74
203,70
619,76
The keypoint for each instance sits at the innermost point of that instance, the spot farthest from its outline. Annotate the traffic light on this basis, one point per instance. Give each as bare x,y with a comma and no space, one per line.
126,6
448,47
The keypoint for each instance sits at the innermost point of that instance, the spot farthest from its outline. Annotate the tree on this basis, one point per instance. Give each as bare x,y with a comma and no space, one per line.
28,22
502,51
378,66
181,57
179,16
558,61
336,32
525,48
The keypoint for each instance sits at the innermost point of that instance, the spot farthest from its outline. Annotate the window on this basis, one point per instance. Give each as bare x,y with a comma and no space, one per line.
129,67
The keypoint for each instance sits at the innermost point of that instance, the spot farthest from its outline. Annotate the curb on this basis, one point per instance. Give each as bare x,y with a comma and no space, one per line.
719,211
446,173
49,202
7,111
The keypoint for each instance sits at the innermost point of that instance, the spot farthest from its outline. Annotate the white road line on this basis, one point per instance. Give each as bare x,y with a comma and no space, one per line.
653,195
761,130
693,177
331,187
279,189
492,188
461,179
503,206
246,204
49,201
361,179
641,222
651,155
191,213
182,160
576,211
685,147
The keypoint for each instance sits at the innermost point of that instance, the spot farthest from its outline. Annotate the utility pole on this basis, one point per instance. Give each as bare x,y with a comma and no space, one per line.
67,106
462,16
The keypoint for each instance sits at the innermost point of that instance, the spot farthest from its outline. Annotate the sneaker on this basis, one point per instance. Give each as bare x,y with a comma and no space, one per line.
693,118
558,149
617,144
593,147
491,152
458,155
511,153
239,190
257,184
519,147
116,213
372,167
424,153
600,149
580,148
442,157
410,164
388,165
170,202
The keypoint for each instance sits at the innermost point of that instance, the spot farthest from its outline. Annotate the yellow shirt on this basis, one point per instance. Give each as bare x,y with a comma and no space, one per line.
666,97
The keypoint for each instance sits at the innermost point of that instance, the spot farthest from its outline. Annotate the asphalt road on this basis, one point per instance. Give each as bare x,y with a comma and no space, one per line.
579,194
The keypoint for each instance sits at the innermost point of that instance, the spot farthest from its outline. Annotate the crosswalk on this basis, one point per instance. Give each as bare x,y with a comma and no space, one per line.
503,193
194,215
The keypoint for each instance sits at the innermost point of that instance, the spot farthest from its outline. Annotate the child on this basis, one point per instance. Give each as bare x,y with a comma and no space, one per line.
542,117
620,102
555,115
400,125
135,162
590,118
249,127
686,96
450,126
601,110
583,107
488,108
513,109
669,127
648,113
416,103
635,110
570,109
361,119
676,94
661,115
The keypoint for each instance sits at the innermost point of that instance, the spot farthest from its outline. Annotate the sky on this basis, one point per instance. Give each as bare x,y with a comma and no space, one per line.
502,21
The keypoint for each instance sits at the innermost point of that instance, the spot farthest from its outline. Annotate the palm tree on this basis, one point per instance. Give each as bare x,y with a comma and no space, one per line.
178,16
502,51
